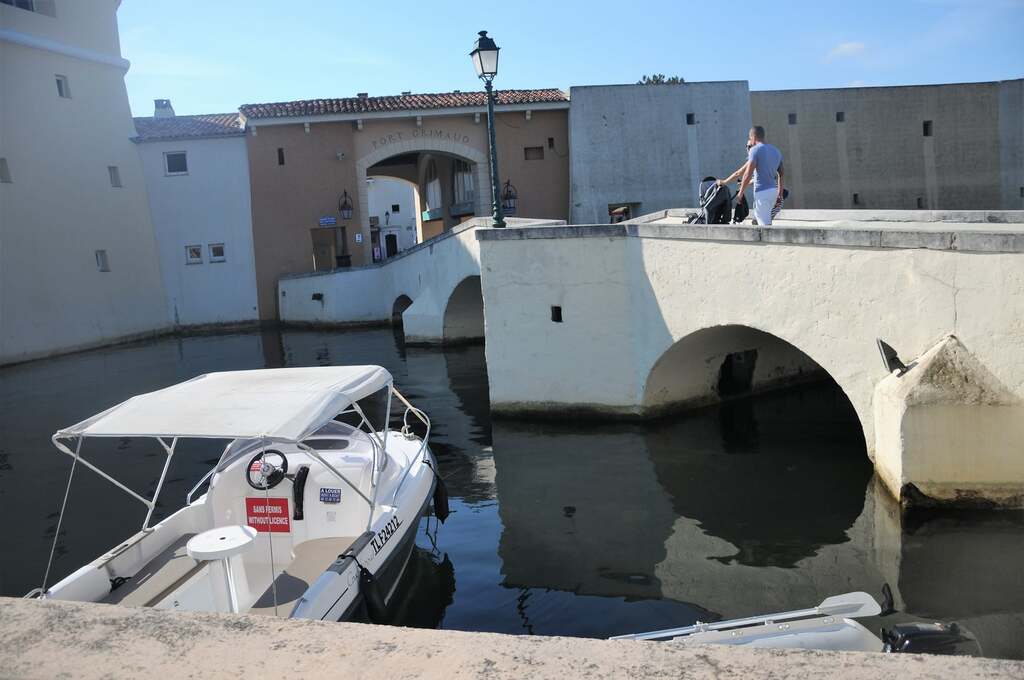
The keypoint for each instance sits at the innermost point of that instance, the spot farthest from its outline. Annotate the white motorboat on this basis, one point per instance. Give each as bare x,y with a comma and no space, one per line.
828,626
304,515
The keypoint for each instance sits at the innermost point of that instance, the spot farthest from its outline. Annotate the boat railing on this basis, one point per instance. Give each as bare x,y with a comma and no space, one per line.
408,434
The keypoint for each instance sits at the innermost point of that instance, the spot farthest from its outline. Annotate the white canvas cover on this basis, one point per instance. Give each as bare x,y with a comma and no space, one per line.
278,404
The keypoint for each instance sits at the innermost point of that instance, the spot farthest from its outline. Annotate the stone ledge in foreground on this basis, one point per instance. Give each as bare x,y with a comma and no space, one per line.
78,640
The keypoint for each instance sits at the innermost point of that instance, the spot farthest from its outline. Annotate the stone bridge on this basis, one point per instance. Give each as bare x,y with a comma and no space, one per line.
637,319
432,289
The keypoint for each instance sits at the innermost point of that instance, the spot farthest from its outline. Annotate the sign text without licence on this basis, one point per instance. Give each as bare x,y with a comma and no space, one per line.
268,514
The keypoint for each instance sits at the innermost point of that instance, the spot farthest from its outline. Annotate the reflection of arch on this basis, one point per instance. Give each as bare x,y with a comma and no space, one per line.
402,303
417,145
725,361
464,313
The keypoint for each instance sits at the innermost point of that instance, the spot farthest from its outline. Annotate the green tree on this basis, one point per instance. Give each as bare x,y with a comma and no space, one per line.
660,79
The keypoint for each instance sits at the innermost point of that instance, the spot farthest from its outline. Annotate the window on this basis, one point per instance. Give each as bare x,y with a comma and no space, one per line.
533,153
20,4
3,166
115,176
840,117
920,203
280,156
856,199
927,128
63,89
433,187
5,172
193,254
792,119
176,163
102,263
395,208
556,313
217,252
551,142
463,184
691,119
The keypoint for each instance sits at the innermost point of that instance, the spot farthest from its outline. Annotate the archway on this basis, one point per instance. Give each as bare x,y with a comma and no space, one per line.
724,362
464,313
402,303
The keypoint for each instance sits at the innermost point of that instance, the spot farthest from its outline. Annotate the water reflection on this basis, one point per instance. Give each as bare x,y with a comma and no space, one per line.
582,529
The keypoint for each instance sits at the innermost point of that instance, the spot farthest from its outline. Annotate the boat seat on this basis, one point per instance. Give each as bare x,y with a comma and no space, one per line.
311,559
158,578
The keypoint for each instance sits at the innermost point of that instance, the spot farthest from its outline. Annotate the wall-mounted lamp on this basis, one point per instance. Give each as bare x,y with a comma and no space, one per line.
509,199
345,206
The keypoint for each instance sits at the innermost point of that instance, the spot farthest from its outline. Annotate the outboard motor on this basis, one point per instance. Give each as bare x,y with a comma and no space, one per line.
930,638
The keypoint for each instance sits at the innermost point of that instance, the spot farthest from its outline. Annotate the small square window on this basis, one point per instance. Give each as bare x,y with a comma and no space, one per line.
792,119
395,208
176,163
533,153
856,199
63,88
102,263
840,117
115,176
927,128
217,252
5,172
193,254
556,313
280,156
691,119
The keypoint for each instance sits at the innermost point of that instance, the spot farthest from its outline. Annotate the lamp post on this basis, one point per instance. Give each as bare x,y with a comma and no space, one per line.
485,60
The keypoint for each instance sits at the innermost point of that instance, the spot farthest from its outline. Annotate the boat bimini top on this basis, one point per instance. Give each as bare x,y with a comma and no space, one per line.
253,409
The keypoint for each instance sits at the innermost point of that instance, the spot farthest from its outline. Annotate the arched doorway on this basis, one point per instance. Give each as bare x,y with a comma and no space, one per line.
464,313
402,303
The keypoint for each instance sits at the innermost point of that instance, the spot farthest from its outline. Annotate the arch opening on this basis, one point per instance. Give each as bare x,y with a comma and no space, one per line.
402,303
464,313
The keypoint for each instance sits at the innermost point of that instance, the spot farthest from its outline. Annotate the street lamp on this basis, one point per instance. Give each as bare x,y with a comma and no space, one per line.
345,207
485,60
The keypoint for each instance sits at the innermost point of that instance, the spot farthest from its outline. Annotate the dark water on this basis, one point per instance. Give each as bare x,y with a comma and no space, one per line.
570,529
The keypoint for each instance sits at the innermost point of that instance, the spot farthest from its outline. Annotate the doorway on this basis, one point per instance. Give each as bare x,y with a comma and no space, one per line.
390,244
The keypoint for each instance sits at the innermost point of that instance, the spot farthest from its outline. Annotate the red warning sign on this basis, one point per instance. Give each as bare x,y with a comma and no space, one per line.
268,514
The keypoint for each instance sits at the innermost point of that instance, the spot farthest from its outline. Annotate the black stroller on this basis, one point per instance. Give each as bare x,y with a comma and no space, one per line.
715,203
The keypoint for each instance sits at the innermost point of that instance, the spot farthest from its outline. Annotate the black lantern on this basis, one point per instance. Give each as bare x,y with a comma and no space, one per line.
345,206
509,198
485,57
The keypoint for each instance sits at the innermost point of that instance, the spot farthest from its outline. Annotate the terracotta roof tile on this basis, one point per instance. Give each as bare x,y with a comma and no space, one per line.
152,129
406,102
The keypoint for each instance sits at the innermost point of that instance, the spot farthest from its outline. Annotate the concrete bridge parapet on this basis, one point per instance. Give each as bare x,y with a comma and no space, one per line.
418,287
655,314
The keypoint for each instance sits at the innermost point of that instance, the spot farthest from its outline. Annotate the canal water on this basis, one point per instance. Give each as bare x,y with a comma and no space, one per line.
557,528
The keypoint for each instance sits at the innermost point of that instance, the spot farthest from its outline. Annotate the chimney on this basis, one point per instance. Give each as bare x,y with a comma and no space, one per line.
162,108
362,95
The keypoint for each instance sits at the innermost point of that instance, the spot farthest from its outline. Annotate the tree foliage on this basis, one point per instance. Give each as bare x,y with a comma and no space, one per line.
660,79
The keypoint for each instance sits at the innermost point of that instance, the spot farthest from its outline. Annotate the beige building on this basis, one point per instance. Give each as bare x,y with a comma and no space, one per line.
310,161
78,262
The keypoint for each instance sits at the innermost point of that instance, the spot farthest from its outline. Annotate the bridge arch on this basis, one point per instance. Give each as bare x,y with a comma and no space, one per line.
721,362
464,312
402,303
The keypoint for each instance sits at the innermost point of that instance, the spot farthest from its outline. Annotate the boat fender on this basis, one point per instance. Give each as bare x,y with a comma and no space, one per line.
298,491
440,499
370,590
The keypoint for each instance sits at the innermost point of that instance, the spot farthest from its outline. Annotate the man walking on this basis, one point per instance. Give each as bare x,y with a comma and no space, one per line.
765,164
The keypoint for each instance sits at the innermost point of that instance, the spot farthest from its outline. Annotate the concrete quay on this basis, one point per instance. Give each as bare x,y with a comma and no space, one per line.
78,640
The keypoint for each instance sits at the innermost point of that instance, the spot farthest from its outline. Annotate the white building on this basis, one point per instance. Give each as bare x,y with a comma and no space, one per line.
78,260
197,177
393,209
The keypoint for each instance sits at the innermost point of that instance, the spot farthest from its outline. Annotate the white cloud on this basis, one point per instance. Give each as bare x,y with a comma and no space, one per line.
844,50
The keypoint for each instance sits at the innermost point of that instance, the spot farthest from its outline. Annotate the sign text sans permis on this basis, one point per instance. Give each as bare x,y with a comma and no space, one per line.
424,133
384,535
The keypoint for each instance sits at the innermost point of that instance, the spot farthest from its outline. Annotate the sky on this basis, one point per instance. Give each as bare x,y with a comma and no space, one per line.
211,56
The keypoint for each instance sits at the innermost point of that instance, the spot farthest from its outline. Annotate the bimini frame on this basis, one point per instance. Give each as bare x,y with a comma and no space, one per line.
378,445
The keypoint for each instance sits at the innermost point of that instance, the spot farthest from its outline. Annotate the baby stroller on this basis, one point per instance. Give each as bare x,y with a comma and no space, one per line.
715,203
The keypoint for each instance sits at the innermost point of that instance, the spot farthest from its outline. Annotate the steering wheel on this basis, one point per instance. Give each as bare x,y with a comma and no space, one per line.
266,470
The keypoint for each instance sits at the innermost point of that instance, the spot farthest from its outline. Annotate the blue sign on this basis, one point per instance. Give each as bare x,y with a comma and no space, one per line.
328,221
330,495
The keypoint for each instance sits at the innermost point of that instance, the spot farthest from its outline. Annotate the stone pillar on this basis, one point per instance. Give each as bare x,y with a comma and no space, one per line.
947,431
